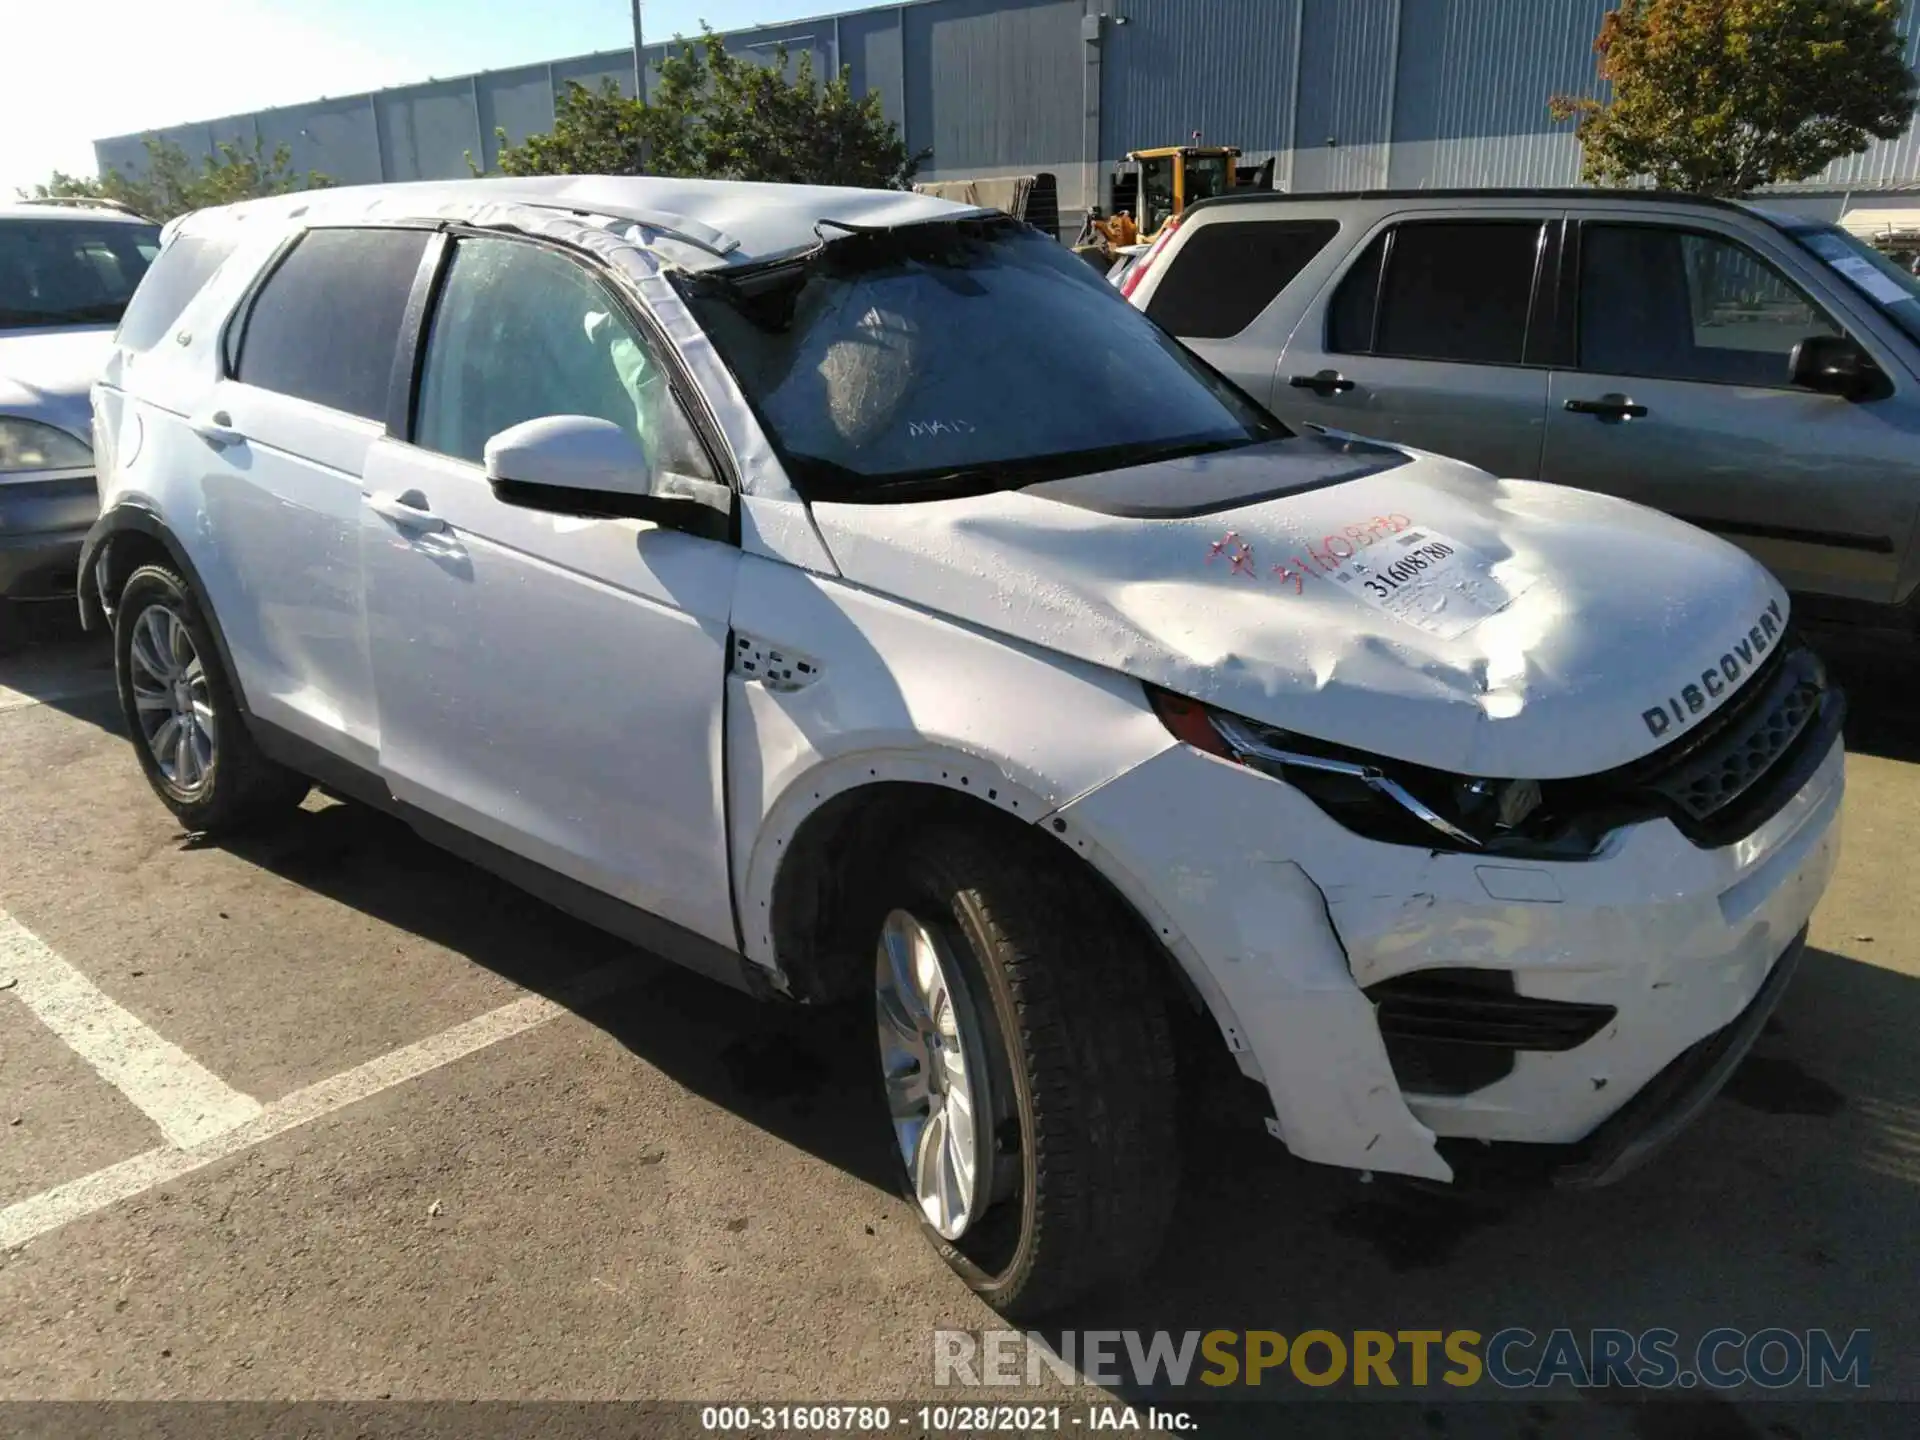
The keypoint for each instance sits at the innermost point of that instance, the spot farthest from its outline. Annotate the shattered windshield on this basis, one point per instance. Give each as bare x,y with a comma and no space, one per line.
956,358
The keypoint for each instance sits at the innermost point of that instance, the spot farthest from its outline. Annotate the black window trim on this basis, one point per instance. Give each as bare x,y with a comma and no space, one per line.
1539,288
410,356
1571,280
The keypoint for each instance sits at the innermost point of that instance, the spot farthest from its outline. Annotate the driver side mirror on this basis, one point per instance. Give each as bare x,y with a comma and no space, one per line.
1837,365
583,466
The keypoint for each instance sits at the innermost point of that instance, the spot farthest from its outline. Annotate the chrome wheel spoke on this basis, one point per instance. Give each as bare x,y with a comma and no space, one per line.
932,1084
172,698
932,1180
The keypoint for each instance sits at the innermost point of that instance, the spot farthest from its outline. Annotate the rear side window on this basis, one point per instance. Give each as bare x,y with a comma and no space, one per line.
1228,272
171,282
325,324
1452,290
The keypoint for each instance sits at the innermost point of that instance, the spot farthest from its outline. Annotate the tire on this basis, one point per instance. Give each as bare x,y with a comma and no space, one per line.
13,627
220,783
1058,996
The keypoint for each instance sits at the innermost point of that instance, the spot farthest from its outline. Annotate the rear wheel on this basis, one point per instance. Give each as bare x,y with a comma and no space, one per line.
181,715
1028,1066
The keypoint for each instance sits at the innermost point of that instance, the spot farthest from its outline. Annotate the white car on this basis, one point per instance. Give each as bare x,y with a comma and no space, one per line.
846,593
66,271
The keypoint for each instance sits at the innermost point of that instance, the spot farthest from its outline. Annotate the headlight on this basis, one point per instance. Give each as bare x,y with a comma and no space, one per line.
1390,800
31,445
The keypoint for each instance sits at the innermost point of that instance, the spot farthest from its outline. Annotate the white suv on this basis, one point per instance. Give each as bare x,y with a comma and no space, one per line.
846,593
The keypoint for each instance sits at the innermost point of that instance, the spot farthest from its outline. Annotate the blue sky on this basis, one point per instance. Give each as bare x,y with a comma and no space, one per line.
136,64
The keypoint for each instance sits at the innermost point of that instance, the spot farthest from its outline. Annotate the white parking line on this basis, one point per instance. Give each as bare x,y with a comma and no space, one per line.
185,1099
49,1210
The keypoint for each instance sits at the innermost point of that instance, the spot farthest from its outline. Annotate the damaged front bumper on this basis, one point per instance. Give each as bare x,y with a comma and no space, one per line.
1657,959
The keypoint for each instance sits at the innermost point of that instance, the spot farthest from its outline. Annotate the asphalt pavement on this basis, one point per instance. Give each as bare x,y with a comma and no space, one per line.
328,1114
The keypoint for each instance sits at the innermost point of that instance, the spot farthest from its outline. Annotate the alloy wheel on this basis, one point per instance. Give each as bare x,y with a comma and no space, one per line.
172,699
933,1058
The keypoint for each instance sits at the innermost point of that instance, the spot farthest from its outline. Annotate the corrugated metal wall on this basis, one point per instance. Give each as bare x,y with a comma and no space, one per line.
1232,75
1346,93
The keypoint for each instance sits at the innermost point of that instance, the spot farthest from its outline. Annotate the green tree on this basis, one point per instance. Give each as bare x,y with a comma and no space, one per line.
172,185
717,116
1722,96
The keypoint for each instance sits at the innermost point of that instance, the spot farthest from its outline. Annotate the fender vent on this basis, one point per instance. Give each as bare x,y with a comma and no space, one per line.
776,667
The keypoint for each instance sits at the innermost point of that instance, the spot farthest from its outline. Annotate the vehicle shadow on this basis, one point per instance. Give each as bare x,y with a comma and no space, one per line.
46,658
1791,1202
1880,671
805,1075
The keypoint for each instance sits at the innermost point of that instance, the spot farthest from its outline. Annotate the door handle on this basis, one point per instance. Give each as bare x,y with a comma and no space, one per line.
408,512
1612,406
1322,382
217,430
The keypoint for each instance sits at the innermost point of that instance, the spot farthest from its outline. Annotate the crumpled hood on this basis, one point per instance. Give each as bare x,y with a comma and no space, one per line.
1391,600
46,374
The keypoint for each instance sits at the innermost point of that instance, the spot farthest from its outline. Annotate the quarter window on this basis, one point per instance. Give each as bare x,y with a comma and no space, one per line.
1228,272
172,281
1682,305
521,332
1453,290
325,324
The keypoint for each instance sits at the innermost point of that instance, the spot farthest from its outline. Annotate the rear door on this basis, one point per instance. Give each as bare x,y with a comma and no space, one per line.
282,442
1677,395
1433,335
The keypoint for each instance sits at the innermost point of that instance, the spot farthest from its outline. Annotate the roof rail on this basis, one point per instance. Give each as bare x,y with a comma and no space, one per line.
1470,192
84,202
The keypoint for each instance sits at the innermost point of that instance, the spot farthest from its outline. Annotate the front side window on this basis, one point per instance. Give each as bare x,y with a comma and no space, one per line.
521,332
1206,177
324,325
64,271
1682,305
956,358
1456,290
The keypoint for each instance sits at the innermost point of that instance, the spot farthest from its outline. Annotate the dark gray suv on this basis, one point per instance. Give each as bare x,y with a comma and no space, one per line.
1752,372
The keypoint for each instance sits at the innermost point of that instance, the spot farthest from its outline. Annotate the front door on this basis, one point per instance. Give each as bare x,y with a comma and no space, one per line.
1680,399
550,684
1426,339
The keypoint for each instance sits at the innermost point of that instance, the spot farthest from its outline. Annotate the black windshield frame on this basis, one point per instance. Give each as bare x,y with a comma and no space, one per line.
850,251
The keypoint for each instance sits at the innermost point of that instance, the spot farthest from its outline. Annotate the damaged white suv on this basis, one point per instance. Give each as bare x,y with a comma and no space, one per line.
846,593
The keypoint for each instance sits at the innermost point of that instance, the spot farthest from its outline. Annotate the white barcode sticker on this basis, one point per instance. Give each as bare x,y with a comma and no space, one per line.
1429,580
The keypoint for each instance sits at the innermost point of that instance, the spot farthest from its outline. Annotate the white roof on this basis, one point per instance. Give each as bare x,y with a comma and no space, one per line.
728,222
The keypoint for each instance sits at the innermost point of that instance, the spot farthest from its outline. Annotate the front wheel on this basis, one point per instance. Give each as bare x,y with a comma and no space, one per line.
1028,1066
181,714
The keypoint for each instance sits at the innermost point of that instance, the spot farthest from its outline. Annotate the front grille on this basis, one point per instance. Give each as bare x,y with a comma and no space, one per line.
1728,777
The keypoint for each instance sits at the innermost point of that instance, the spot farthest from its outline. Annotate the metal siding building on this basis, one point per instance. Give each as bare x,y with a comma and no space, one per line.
1344,93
